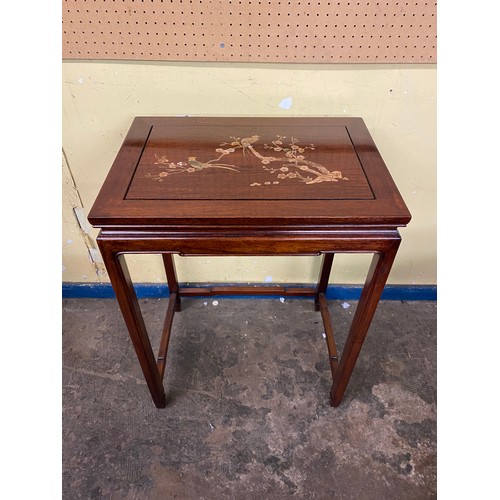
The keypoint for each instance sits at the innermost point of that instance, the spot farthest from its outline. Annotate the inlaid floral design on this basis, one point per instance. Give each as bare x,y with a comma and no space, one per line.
192,165
288,161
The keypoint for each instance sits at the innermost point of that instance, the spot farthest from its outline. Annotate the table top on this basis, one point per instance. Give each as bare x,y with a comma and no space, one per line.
205,171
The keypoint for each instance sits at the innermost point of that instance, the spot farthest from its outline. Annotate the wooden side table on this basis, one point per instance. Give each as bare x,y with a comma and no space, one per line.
248,186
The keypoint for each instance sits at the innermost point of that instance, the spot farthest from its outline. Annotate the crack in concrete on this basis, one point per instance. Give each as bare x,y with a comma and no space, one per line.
109,376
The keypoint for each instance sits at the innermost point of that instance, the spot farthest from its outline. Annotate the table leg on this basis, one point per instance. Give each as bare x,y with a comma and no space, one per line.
129,305
370,296
173,284
324,276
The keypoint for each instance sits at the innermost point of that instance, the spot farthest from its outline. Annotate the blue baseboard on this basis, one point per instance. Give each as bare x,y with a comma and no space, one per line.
334,292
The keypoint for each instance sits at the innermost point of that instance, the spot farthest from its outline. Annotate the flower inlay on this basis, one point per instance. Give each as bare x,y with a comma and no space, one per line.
288,161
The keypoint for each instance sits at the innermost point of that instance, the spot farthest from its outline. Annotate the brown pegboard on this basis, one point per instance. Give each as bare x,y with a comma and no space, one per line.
250,31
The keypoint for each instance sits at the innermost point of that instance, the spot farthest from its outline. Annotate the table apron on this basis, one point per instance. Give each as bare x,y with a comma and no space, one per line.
249,245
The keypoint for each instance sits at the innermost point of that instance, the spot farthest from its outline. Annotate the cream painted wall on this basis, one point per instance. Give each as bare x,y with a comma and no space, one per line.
397,102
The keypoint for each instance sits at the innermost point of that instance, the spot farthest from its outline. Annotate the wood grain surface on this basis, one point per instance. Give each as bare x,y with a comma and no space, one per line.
252,171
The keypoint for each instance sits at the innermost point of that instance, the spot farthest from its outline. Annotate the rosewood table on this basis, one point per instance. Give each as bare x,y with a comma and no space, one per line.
248,186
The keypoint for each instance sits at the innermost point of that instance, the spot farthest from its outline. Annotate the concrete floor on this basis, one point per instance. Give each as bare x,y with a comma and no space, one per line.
248,416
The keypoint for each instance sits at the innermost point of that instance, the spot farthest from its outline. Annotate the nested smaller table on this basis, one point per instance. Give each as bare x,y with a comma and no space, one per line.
248,186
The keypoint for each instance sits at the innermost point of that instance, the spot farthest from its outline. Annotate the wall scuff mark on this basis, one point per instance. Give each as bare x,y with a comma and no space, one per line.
84,226
286,103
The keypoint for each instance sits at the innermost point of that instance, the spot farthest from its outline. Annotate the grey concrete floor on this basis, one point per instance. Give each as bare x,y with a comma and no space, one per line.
248,414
